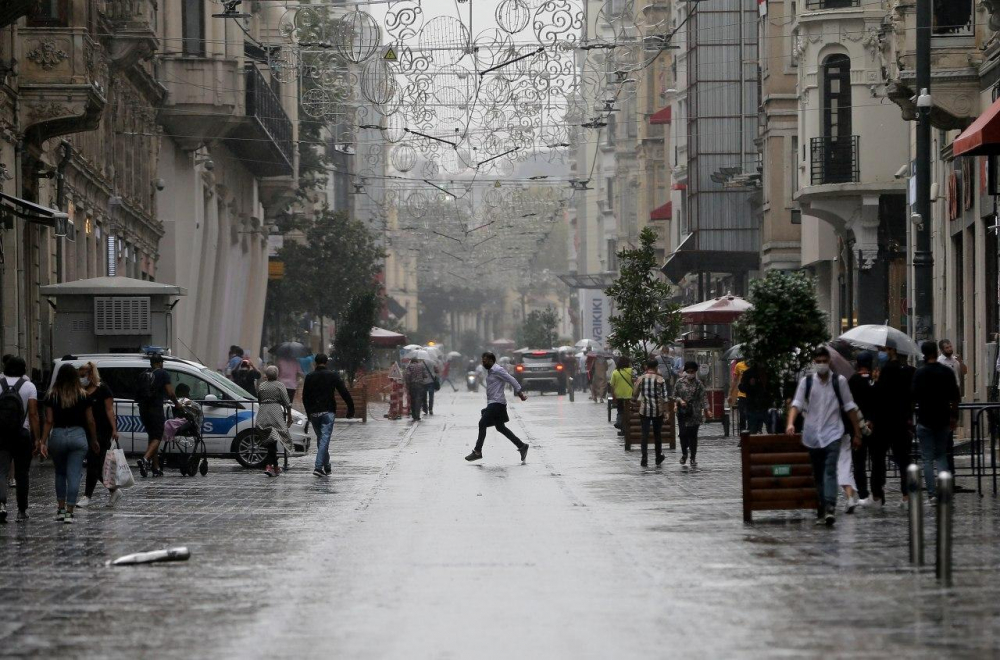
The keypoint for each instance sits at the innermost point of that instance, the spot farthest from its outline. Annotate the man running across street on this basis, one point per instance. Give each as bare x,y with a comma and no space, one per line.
495,412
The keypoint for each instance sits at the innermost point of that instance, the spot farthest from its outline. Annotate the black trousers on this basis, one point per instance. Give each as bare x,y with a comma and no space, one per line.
877,450
901,444
95,466
859,457
272,455
19,451
689,440
417,392
496,418
656,423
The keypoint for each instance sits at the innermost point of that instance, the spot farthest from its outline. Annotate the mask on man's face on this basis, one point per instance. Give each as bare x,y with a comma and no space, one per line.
883,357
822,368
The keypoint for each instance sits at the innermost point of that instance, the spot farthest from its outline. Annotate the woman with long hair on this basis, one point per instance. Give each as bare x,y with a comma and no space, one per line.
69,429
274,417
102,405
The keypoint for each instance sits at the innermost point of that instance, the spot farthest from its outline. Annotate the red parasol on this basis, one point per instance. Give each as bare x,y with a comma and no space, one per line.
717,311
382,338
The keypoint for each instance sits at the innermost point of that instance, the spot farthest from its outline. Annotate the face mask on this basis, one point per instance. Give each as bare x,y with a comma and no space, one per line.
689,376
85,382
822,369
883,357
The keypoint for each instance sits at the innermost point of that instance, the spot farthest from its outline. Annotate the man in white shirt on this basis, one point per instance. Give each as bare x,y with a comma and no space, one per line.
952,361
824,398
16,445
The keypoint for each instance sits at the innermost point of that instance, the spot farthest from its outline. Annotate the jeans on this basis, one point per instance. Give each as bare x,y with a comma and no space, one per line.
689,440
323,423
824,465
428,402
67,448
657,424
934,452
19,450
755,420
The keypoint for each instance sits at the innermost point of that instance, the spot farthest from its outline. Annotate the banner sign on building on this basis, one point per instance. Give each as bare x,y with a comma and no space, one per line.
595,308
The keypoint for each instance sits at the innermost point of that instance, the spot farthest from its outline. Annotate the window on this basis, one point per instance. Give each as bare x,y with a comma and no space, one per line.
953,18
609,185
121,380
193,26
612,125
837,97
50,13
795,163
197,388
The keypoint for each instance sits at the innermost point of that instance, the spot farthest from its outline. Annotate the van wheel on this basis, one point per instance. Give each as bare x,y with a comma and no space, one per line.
248,447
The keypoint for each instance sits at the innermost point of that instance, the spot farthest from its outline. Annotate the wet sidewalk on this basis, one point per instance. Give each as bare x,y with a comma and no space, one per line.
410,552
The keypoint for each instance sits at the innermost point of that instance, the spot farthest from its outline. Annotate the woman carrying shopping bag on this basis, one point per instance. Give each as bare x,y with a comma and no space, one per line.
69,430
102,405
274,417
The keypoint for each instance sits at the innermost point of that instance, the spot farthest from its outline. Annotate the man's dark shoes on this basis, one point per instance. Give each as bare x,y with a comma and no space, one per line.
523,451
660,459
643,462
831,517
328,469
475,456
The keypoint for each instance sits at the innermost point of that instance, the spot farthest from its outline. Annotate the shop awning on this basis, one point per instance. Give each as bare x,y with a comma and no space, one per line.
32,212
688,259
664,212
661,116
585,281
382,338
983,137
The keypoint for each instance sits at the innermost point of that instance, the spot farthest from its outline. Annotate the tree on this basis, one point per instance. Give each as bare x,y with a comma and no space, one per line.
644,317
784,327
353,343
339,259
538,329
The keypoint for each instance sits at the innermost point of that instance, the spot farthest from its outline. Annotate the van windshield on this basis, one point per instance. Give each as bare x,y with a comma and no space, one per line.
226,385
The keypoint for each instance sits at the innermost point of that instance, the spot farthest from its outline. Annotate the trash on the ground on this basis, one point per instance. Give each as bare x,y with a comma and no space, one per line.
168,554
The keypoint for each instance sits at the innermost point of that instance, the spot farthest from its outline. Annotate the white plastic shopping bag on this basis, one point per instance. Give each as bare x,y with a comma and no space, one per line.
123,473
109,475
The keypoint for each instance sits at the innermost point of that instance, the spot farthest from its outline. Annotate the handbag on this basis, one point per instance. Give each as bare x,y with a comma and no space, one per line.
437,381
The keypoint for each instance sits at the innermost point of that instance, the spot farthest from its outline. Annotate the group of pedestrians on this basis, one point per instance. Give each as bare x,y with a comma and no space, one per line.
847,422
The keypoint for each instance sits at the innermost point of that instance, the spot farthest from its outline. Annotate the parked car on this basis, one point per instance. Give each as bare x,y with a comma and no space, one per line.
540,370
230,412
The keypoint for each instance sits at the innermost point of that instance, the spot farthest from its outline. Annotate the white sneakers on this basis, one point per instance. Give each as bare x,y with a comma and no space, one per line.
115,496
83,501
852,503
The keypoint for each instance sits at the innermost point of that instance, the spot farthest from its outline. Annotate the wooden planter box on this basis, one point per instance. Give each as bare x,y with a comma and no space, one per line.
359,395
633,426
777,474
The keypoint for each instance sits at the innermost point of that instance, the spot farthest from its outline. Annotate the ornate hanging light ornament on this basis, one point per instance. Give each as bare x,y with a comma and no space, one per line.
403,158
403,19
446,38
377,82
358,37
557,21
512,16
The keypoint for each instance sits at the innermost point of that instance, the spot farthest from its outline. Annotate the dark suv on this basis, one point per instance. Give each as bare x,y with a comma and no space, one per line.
540,370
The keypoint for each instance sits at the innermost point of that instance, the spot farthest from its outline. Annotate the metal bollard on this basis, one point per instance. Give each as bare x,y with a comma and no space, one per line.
945,509
914,490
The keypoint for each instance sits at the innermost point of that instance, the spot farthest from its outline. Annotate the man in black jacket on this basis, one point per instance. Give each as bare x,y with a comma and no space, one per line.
321,407
863,391
936,394
894,419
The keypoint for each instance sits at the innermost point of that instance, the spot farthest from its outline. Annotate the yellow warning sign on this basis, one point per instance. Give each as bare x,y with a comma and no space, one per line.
390,55
496,185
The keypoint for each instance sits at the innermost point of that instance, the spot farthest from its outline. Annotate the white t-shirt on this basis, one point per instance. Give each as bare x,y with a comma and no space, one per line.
27,392
823,425
954,365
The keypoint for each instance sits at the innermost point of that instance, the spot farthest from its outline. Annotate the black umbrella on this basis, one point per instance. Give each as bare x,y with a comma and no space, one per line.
290,350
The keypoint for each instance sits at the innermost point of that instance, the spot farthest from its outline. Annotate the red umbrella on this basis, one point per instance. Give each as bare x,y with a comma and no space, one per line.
717,311
382,338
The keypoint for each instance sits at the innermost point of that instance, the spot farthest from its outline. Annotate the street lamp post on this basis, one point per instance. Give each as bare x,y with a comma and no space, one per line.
923,260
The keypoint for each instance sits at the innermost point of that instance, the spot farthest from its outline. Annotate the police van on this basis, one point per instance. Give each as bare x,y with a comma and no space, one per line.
229,428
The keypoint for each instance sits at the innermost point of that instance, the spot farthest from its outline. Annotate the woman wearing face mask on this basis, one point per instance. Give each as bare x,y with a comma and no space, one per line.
692,404
862,385
102,405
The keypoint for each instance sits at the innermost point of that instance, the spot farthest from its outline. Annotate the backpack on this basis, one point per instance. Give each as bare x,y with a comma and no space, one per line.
247,379
12,411
844,417
144,385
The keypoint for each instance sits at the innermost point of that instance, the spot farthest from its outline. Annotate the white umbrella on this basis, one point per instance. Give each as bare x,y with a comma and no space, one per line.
421,355
874,336
412,347
454,354
588,343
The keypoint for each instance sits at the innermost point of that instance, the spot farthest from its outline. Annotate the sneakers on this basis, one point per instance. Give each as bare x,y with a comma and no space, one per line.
68,518
22,516
83,501
60,515
116,495
143,467
660,459
643,462
684,459
318,472
157,472
3,512
694,464
852,503
523,451
269,471
478,455
327,469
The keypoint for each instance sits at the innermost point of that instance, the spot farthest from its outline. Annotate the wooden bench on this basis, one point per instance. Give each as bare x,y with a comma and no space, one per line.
632,425
777,474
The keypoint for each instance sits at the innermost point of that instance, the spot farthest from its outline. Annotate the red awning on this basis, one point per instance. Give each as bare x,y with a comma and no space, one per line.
661,116
983,137
680,186
665,212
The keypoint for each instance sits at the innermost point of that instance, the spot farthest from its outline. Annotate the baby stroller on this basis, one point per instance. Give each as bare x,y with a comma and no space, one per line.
183,447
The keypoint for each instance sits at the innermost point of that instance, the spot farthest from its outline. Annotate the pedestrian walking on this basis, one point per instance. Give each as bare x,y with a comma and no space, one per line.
935,391
431,384
415,388
495,412
738,398
757,398
894,416
152,389
288,374
102,407
274,417
319,398
246,376
651,392
824,398
235,357
692,408
621,389
69,431
598,378
19,424
862,385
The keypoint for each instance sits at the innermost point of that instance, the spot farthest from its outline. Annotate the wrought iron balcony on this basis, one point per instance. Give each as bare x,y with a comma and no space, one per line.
814,5
266,115
835,160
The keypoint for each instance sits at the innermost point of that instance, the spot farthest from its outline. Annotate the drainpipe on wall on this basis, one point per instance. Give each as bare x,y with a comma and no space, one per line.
61,202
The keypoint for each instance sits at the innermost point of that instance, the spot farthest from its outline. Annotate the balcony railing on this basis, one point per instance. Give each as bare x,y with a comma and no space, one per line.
831,4
835,160
264,106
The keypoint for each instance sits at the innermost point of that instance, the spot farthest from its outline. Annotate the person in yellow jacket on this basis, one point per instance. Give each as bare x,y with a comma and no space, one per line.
621,388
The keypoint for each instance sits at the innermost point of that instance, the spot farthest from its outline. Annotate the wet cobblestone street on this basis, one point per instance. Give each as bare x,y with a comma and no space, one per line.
410,552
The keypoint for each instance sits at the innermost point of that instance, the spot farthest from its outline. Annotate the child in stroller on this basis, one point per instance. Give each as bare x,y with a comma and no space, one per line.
182,433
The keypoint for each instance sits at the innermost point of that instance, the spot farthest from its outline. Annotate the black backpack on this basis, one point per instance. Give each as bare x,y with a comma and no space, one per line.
12,411
144,386
844,417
